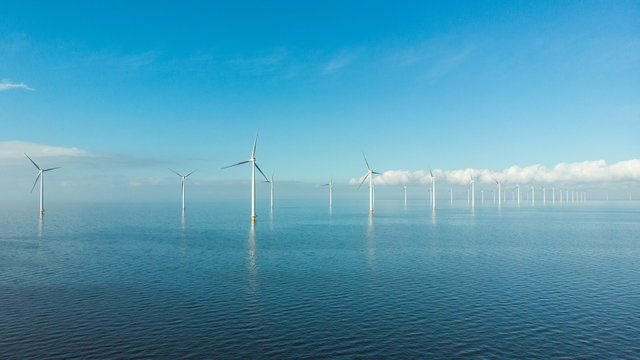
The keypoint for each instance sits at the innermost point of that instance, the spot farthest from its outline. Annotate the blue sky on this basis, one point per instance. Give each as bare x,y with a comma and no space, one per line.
450,85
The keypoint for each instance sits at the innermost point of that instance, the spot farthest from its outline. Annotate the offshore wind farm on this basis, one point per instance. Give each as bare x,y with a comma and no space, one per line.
495,214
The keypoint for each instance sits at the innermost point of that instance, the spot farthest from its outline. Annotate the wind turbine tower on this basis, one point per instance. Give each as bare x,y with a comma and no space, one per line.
41,178
433,190
404,187
271,184
330,185
254,166
369,175
533,196
183,177
473,193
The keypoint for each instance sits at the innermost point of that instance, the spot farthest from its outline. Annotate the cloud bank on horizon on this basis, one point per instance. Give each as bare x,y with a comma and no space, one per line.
580,172
562,173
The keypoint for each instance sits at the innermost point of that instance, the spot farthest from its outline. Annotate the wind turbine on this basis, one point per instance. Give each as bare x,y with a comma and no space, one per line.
451,191
473,192
533,196
369,175
499,202
433,190
41,178
404,187
182,177
544,196
254,166
330,185
518,187
271,183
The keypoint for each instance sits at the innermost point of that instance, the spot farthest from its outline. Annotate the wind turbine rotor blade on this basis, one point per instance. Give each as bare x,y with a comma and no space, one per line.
375,172
253,153
365,178
366,162
236,164
53,168
191,172
324,185
430,172
258,167
175,172
33,162
36,182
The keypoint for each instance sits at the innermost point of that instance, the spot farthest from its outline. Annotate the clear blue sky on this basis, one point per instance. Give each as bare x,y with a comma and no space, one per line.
442,84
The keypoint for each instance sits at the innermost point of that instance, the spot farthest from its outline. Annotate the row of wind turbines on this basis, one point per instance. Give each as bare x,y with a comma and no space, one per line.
581,196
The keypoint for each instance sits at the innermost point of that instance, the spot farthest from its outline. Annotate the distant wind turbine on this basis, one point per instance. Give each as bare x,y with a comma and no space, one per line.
533,196
369,175
433,190
473,192
41,178
183,177
254,166
499,202
404,187
518,187
330,185
271,183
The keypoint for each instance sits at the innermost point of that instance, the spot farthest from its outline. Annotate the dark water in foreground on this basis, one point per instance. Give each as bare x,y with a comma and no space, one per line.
139,281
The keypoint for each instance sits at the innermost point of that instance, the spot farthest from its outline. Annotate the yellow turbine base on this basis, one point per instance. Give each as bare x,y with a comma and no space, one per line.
41,212
253,218
370,212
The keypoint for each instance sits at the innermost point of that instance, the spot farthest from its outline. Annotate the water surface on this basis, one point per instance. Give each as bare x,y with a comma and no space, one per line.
115,281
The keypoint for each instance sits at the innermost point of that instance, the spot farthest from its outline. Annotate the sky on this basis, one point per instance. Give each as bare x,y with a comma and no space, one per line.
117,92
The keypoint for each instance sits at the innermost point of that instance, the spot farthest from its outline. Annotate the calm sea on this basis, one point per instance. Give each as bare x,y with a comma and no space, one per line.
141,281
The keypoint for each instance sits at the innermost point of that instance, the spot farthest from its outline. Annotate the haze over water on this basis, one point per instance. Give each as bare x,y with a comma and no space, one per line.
141,281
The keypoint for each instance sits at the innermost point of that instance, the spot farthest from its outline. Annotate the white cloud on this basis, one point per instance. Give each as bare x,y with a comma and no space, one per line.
6,85
17,149
12,154
337,62
581,172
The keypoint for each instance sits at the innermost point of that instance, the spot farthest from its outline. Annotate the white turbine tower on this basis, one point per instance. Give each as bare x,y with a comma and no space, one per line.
271,184
254,166
544,196
183,177
404,187
369,175
451,191
499,202
330,185
518,187
473,192
533,196
433,190
41,178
